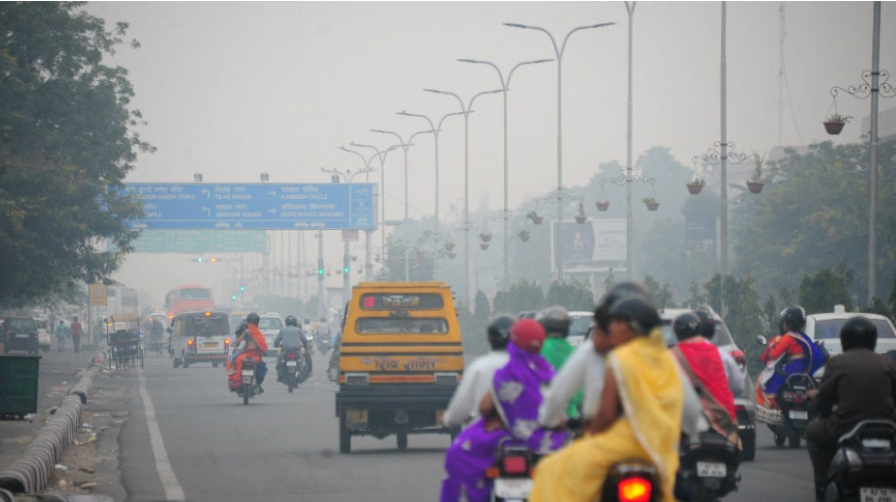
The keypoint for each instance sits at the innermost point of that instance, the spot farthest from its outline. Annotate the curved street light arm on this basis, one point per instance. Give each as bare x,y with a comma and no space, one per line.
359,154
587,27
522,63
431,125
449,93
557,51
470,108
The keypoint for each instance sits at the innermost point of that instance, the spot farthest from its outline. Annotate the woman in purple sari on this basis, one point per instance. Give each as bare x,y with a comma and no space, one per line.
510,410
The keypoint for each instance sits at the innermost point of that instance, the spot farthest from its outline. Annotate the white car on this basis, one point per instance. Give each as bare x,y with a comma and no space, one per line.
43,333
580,330
270,325
826,328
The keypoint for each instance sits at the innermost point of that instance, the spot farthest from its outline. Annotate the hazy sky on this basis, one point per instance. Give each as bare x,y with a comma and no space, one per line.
234,89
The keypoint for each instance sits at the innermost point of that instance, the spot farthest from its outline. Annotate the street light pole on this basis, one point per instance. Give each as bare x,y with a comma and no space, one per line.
466,113
505,86
629,227
367,247
381,156
405,146
435,132
558,52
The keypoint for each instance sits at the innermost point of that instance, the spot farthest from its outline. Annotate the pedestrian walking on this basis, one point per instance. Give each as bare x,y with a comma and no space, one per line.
61,333
76,331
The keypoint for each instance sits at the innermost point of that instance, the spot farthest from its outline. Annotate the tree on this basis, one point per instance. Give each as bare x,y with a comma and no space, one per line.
820,292
661,294
525,296
66,144
573,296
744,315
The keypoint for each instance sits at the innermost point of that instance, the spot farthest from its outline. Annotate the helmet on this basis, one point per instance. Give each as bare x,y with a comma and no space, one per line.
528,335
794,318
617,292
307,320
556,320
858,331
241,328
686,326
707,323
253,318
291,320
499,331
640,314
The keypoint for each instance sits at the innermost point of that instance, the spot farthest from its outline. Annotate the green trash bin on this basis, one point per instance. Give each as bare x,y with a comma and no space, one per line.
18,385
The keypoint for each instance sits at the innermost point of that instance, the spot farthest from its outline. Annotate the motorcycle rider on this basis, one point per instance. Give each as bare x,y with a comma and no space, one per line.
322,335
732,370
557,350
702,362
464,405
860,384
794,353
255,347
289,338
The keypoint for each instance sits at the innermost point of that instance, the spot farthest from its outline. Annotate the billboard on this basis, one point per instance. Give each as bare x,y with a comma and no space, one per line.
584,245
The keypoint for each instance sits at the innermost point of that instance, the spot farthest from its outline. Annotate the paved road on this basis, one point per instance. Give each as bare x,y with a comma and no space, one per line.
284,447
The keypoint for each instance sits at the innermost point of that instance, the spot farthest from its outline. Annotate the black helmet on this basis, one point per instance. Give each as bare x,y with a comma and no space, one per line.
618,291
291,320
241,328
555,320
707,323
686,326
253,318
499,331
858,332
794,318
640,314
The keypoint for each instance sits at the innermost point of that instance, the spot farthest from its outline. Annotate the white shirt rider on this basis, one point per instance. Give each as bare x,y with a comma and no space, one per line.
464,405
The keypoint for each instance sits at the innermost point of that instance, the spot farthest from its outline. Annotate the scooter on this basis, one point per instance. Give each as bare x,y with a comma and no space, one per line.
293,368
864,466
795,410
248,387
708,466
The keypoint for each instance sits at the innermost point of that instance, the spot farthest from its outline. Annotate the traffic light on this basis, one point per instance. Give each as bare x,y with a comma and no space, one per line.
242,288
200,259
345,269
234,296
320,271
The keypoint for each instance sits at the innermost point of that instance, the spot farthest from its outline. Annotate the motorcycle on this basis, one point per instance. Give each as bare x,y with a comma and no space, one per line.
248,387
864,466
708,467
323,343
512,472
795,410
292,368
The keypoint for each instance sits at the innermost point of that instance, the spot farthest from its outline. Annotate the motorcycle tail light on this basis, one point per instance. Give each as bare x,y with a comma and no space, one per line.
515,465
635,489
290,356
740,358
492,472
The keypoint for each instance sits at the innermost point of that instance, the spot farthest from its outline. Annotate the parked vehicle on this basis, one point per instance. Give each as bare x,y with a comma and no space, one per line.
20,334
744,406
43,333
202,336
709,466
864,467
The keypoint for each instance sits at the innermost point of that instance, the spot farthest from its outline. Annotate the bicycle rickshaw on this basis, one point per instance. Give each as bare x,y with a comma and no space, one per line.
123,339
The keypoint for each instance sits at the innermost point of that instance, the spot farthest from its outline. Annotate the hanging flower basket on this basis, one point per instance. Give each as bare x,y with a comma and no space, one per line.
651,203
834,128
755,186
354,257
483,245
524,235
695,188
580,215
602,205
452,255
449,246
581,219
486,237
537,220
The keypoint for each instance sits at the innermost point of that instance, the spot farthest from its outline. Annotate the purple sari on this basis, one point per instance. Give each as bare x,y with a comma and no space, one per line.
516,391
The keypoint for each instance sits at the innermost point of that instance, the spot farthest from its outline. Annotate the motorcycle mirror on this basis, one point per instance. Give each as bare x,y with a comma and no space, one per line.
761,340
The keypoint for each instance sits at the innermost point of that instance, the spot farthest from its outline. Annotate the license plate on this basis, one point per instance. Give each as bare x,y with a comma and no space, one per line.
356,417
22,335
248,373
798,415
868,494
711,470
513,488
210,345
291,364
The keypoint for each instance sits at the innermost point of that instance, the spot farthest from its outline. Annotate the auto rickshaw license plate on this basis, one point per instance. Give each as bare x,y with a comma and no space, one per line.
356,417
868,494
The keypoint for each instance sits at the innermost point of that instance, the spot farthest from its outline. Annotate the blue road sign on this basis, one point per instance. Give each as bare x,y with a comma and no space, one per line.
261,206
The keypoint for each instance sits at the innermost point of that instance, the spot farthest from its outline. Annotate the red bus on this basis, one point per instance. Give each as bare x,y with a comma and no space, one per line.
189,297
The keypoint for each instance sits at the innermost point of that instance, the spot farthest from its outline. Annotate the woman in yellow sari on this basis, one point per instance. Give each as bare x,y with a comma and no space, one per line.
639,417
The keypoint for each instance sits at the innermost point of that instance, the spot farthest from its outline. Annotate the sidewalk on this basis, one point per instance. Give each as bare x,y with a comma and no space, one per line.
93,456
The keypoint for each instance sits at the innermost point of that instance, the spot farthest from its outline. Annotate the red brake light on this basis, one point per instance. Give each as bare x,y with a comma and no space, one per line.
291,355
634,490
739,357
514,465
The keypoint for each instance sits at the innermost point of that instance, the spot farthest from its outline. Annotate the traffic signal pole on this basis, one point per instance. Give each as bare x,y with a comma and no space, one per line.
346,272
321,300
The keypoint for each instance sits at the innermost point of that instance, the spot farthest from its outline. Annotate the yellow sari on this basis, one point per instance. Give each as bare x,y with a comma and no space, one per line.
652,398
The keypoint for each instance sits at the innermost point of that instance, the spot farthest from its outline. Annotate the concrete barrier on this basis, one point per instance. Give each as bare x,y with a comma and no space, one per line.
31,472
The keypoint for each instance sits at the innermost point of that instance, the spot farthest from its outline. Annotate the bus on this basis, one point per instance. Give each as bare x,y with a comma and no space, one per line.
189,297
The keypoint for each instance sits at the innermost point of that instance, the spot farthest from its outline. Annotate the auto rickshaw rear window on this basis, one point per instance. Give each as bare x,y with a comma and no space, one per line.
406,325
390,301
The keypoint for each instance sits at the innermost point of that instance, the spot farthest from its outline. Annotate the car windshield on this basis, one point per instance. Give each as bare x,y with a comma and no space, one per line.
270,323
21,324
379,325
829,329
580,326
195,294
208,326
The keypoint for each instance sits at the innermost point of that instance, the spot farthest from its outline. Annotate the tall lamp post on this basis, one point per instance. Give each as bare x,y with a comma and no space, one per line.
405,146
381,156
505,86
558,52
436,131
349,177
466,110
368,170
874,89
629,224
